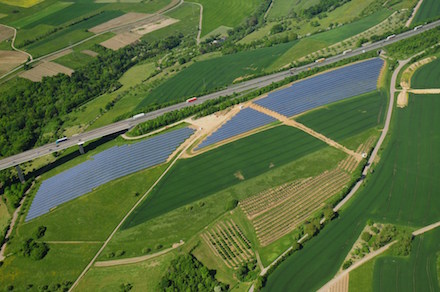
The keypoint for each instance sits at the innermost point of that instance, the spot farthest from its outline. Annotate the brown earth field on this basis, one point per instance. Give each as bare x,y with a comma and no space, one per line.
5,33
37,73
120,40
128,18
10,60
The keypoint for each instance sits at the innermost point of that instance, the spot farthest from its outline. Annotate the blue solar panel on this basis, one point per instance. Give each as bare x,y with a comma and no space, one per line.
325,88
246,120
103,167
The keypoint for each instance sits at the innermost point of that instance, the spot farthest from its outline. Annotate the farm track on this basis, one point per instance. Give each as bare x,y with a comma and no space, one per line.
303,128
350,164
13,42
227,242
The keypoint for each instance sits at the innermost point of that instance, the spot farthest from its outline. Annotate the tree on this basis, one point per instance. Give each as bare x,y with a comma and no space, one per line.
41,231
366,236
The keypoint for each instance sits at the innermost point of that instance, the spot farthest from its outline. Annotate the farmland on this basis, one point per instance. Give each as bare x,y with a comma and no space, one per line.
177,188
427,76
343,120
228,13
418,273
283,8
430,9
214,73
400,191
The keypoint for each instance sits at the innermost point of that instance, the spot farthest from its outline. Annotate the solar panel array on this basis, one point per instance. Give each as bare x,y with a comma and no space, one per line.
105,166
246,120
325,88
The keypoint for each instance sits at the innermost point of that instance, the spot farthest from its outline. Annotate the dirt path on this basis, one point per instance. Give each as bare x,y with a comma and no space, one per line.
136,259
71,242
368,257
13,42
416,8
309,131
426,228
268,9
89,265
200,20
382,136
124,136
13,221
425,91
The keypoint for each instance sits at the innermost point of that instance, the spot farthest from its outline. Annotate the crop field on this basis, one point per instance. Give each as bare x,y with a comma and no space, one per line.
430,9
74,60
418,273
277,146
348,118
32,20
350,163
21,3
227,241
70,35
427,76
276,212
402,190
228,13
283,8
214,73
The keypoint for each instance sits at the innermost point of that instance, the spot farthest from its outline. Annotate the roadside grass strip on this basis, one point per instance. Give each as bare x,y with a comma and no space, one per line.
276,213
104,167
325,88
246,120
227,241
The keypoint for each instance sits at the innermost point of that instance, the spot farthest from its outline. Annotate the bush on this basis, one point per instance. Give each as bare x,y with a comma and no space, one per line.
125,287
110,255
231,205
347,264
120,253
41,231
159,246
146,250
34,250
375,229
366,236
310,229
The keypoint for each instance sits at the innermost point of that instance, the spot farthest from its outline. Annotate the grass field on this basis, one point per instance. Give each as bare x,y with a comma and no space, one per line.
144,276
185,222
214,73
282,8
348,118
34,18
70,35
228,13
64,262
417,273
21,3
427,76
193,179
4,215
74,60
430,9
401,190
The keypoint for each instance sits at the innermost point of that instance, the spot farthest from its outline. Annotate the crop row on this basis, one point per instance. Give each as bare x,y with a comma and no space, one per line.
255,205
228,242
280,220
350,163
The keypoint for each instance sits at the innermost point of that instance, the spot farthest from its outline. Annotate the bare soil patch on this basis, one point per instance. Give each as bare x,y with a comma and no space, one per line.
6,33
120,40
10,60
150,27
37,73
90,53
402,99
239,175
425,91
127,18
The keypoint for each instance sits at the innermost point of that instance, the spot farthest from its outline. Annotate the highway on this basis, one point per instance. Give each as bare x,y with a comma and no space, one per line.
236,88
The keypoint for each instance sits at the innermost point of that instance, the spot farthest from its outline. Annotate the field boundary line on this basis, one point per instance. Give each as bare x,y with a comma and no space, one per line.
368,257
13,42
129,213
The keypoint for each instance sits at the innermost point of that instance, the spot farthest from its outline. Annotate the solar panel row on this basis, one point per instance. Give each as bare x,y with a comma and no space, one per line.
325,88
105,166
246,120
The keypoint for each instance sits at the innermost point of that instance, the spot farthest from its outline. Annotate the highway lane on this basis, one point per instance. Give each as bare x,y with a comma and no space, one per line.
236,88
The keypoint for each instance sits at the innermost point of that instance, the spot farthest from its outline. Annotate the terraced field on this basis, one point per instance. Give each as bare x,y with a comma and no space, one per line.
427,76
276,212
227,241
402,190
198,177
430,9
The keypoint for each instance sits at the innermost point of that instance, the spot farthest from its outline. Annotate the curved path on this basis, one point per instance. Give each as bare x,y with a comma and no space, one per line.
13,42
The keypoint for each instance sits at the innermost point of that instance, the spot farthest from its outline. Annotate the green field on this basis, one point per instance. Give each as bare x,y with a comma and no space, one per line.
185,222
282,8
402,190
416,273
64,262
348,118
427,76
32,20
70,35
227,12
214,73
193,179
74,60
430,9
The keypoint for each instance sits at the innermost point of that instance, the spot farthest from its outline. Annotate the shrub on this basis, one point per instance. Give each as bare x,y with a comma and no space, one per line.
366,236
34,250
110,255
347,264
231,205
125,287
375,229
41,231
146,250
159,246
120,253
